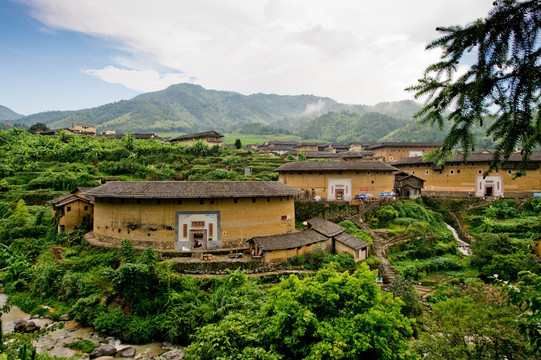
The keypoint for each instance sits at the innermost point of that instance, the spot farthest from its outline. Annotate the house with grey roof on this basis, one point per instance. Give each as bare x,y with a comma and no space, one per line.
191,215
337,180
320,233
209,138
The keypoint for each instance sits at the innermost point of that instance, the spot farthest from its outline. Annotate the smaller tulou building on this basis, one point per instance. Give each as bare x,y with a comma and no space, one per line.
337,180
191,215
73,210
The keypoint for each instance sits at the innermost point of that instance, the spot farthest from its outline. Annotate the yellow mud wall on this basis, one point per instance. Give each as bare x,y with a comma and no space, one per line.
190,142
283,255
372,182
74,217
462,178
393,153
152,222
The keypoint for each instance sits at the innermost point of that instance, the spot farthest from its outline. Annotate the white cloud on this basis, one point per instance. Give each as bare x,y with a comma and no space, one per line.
353,51
139,80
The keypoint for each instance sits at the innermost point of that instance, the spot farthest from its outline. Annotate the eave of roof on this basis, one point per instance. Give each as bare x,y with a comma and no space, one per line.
474,157
192,189
325,227
351,241
289,241
335,165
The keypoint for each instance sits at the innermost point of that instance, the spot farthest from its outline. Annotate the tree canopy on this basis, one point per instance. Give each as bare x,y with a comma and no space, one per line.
504,83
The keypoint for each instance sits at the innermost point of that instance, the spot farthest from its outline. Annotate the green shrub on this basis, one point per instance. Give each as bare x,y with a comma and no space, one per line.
85,346
111,322
353,230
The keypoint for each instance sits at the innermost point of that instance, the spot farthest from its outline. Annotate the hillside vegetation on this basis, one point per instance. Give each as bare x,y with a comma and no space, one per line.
328,314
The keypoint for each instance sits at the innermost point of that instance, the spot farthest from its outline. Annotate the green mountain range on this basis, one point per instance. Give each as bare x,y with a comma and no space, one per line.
189,108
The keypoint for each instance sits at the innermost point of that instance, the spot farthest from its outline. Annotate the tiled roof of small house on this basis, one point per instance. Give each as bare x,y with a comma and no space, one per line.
351,241
289,241
62,198
325,227
192,189
330,155
404,144
197,135
334,165
483,156
71,199
404,177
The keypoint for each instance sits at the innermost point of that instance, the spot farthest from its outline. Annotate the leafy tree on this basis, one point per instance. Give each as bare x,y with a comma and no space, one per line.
504,83
472,324
38,126
336,316
527,294
238,144
404,289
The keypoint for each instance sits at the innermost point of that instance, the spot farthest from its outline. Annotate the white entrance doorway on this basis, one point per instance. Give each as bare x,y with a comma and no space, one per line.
489,186
339,189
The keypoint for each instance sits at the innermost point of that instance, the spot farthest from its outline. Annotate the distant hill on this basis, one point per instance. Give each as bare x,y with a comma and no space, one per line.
186,108
345,127
192,108
8,114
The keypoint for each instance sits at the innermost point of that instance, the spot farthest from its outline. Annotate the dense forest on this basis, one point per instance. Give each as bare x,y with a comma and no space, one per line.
479,306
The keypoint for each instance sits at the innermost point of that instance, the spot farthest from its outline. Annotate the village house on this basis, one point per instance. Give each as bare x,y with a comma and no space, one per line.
408,186
337,180
462,178
73,210
337,148
344,156
209,138
290,144
304,147
321,233
393,151
191,215
84,128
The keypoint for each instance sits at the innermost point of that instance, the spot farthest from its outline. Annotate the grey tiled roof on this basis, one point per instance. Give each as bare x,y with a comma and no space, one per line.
404,144
325,227
334,165
192,189
474,157
351,241
197,135
330,155
289,241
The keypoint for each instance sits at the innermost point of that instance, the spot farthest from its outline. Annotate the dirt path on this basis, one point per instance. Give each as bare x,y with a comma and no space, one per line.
388,272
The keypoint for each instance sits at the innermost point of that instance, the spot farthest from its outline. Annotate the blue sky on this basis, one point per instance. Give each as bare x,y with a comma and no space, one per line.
69,55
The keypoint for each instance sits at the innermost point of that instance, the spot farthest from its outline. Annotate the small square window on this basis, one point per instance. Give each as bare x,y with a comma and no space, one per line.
458,171
85,208
235,201
68,208
479,171
426,172
212,201
452,172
